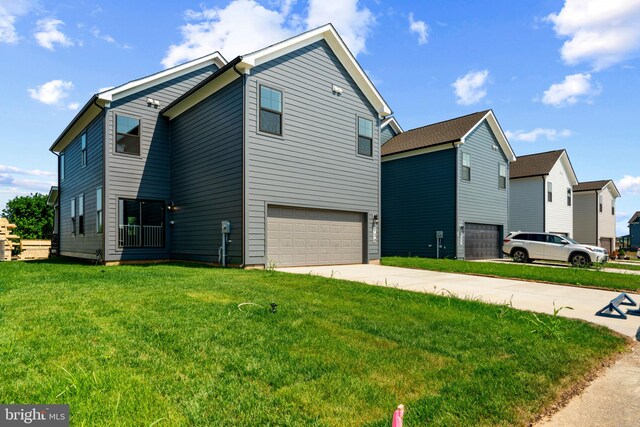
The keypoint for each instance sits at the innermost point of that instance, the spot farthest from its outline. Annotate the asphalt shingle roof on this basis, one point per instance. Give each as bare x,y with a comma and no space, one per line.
435,134
591,185
534,164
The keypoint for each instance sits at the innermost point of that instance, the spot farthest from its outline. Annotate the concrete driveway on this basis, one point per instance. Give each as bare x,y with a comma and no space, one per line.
539,297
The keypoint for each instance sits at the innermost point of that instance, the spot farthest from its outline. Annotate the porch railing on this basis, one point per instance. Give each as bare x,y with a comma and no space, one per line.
147,236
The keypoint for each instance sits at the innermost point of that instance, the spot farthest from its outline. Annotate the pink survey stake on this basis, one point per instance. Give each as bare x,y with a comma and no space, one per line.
397,416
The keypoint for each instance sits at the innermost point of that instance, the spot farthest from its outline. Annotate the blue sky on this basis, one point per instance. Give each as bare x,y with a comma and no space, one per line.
558,74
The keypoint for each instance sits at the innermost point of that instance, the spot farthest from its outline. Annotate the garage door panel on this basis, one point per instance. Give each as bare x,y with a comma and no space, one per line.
482,241
298,236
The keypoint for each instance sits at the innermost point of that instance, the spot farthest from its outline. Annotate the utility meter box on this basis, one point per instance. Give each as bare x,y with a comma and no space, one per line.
226,227
439,234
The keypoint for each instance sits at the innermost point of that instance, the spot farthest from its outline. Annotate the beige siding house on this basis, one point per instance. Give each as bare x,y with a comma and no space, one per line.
594,213
541,197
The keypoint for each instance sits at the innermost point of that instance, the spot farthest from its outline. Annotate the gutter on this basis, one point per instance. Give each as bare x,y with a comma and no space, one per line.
597,240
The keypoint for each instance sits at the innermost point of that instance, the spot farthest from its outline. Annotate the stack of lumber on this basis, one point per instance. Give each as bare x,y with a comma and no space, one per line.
7,239
34,249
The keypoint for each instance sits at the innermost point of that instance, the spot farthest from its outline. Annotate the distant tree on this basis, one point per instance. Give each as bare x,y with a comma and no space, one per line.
31,215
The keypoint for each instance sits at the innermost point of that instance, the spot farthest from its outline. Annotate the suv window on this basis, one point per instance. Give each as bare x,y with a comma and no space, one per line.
555,239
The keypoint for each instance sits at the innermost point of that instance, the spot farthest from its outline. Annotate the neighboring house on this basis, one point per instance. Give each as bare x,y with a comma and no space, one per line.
283,143
388,129
634,230
594,213
445,189
541,197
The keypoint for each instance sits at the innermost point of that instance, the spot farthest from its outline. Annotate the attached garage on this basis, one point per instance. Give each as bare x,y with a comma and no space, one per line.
482,241
299,236
607,243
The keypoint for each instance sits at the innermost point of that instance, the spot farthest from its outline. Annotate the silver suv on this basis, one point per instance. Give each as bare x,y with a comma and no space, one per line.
529,246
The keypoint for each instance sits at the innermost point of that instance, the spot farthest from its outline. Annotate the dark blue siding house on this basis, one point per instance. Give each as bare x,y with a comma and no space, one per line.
272,158
445,189
634,230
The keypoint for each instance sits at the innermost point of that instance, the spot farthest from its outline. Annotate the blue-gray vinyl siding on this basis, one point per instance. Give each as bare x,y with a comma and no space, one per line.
526,204
634,233
418,199
82,180
386,134
207,177
147,176
315,163
480,201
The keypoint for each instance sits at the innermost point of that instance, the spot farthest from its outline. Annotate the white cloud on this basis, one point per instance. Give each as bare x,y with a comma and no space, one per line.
53,93
73,106
533,135
471,88
10,10
48,35
353,23
214,29
601,33
97,34
629,185
573,88
420,28
21,171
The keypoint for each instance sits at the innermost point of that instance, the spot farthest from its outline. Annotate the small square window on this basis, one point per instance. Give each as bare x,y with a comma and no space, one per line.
365,137
127,135
270,110
466,167
502,179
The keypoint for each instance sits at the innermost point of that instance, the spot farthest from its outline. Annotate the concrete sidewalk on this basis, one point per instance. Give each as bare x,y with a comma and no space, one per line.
539,297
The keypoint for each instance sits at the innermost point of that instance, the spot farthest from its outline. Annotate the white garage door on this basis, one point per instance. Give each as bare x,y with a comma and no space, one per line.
297,236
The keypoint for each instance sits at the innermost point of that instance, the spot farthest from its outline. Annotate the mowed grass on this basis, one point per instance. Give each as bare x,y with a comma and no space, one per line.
572,276
168,345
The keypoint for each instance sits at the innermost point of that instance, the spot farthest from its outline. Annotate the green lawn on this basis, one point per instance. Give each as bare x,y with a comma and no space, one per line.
572,276
167,345
627,266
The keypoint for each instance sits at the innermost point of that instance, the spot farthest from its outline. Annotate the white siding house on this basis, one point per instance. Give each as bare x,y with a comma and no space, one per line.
541,197
594,213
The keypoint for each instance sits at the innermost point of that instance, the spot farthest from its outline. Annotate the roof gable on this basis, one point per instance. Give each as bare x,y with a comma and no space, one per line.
540,164
393,124
597,186
635,217
246,62
99,101
453,131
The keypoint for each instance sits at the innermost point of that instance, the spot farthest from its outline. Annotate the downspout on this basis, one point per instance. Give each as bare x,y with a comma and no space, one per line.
242,215
597,240
544,204
59,204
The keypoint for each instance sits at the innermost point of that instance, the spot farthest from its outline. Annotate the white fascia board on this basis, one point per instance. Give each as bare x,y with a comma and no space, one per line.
613,189
566,163
391,121
52,198
329,34
207,90
161,77
418,152
79,124
497,131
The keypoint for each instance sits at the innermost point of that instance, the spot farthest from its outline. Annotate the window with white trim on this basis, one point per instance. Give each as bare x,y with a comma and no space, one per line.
81,214
502,179
365,137
600,203
270,110
83,150
73,216
549,192
568,196
99,210
466,167
613,206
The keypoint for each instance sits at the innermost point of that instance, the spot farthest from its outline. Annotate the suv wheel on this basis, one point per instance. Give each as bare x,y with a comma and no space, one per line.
580,260
519,255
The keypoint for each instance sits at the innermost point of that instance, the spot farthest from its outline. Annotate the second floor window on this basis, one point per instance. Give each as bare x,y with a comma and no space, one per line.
466,167
127,135
502,179
83,148
613,206
73,216
61,166
600,203
365,137
99,210
568,196
549,192
270,110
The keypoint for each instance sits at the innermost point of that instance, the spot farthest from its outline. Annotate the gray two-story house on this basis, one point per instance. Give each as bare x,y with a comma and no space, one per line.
445,189
272,158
